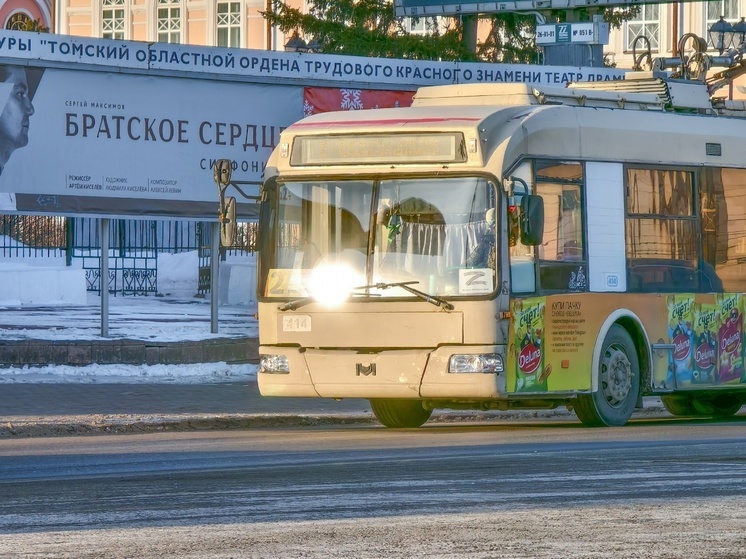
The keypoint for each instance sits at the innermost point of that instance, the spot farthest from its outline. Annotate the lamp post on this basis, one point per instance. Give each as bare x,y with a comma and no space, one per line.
721,35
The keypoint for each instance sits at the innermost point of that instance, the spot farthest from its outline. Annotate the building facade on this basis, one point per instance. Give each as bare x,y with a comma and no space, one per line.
21,14
663,25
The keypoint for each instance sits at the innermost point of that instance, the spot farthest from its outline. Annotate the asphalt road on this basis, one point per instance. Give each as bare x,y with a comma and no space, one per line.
657,488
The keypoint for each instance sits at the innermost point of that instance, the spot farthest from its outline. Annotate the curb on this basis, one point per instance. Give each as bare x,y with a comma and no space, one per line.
60,426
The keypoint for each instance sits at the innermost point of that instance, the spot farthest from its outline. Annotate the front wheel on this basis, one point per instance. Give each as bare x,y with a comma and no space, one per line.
618,383
400,413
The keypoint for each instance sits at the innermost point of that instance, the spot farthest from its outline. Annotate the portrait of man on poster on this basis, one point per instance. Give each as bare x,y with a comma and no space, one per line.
15,119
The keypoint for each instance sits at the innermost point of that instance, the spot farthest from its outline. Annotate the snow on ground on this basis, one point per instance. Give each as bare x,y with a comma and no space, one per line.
176,315
197,373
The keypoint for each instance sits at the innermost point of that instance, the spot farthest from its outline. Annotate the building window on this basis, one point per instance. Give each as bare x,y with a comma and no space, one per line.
647,24
229,24
19,22
728,9
112,19
422,25
169,21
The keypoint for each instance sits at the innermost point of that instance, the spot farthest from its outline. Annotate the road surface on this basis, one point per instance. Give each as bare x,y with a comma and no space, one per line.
660,488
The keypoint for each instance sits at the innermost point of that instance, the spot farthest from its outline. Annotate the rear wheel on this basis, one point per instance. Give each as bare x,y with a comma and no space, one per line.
618,383
400,413
721,405
679,404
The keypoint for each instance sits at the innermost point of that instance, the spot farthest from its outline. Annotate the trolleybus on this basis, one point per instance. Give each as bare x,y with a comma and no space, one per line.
500,247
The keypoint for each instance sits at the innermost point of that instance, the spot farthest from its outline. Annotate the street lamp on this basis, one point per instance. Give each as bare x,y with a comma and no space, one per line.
721,35
314,46
739,32
297,44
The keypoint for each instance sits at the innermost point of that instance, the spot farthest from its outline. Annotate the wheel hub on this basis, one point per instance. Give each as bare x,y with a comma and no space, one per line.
616,376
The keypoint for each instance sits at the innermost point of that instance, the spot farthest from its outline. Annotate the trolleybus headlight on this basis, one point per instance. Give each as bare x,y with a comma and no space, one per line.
332,283
274,364
476,363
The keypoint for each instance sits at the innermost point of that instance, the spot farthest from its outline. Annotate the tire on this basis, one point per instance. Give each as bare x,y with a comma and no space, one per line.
723,405
679,405
400,413
618,383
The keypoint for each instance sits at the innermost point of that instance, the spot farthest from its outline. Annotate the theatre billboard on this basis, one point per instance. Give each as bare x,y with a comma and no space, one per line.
115,128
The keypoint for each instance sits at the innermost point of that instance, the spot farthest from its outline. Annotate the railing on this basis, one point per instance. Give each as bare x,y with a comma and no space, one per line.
133,247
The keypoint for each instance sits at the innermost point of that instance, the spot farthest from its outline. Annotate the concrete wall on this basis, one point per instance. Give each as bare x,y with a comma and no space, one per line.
22,284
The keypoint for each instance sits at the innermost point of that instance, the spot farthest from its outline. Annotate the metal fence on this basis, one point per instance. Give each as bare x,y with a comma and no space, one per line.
133,247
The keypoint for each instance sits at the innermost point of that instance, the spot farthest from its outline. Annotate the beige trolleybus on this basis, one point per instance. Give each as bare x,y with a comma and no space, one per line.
510,247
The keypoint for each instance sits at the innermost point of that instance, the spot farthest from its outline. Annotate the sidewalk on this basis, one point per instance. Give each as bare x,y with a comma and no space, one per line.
141,330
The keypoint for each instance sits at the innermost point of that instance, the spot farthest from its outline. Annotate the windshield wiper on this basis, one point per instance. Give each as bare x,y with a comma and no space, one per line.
296,304
407,285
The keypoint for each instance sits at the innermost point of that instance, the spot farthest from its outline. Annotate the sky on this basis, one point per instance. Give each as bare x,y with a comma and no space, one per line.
175,316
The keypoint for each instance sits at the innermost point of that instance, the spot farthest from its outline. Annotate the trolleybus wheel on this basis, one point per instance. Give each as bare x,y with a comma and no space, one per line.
618,383
722,405
678,404
400,413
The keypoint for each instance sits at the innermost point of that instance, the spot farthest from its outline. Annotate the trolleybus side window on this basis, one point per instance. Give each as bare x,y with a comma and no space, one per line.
723,227
562,260
662,230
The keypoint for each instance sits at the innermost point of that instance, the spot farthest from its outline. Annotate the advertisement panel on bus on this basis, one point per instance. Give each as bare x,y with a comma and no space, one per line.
701,338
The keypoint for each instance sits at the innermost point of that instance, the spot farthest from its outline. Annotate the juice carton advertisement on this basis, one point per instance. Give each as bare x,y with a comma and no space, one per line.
528,320
680,321
730,336
706,325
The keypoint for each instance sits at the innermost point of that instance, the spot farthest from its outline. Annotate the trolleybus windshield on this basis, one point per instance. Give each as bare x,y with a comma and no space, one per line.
336,239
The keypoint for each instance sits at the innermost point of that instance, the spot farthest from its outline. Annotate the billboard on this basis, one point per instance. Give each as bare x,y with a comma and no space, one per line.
108,128
76,142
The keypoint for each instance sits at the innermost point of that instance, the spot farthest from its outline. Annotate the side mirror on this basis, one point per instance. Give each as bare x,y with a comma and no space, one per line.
532,220
227,219
221,172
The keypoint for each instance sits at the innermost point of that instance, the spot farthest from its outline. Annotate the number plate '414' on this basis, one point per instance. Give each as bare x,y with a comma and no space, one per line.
296,323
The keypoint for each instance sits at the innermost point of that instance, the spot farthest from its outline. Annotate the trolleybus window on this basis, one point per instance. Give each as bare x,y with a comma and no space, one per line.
353,236
662,248
562,264
723,228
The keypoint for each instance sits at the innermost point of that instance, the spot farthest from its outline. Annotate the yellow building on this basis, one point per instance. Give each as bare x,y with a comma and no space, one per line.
231,23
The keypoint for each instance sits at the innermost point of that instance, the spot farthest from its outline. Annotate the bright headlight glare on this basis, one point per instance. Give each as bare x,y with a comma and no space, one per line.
274,364
331,283
476,363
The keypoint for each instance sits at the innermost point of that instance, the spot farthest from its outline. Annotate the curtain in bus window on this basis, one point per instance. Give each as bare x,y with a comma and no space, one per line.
421,248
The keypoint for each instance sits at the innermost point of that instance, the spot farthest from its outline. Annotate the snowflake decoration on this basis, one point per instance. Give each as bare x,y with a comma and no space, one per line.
351,99
307,108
